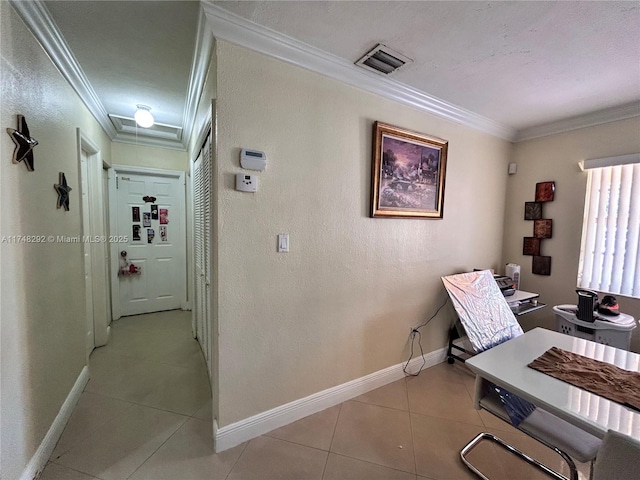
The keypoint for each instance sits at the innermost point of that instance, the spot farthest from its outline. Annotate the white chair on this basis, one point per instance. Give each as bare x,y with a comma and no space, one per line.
488,321
618,458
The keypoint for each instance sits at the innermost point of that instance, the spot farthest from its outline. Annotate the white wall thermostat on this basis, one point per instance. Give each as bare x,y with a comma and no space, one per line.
253,159
246,183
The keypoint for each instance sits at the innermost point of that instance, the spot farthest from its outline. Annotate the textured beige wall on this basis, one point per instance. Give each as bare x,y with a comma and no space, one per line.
148,157
341,304
42,321
555,158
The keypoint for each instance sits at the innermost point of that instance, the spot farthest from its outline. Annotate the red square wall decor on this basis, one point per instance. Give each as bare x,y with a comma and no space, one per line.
545,191
531,246
542,228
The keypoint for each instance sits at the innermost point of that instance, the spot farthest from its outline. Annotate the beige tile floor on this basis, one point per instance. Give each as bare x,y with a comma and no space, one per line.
146,415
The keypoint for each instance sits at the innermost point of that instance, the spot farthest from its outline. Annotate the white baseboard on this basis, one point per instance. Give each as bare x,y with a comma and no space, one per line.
41,457
252,427
215,434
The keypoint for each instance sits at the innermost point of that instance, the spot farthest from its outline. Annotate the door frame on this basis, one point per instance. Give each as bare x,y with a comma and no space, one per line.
96,319
106,171
115,170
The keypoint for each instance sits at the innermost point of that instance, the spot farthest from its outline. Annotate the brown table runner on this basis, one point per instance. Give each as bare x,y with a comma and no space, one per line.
601,378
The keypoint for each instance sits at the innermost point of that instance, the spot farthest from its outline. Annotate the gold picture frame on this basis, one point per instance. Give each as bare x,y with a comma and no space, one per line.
408,173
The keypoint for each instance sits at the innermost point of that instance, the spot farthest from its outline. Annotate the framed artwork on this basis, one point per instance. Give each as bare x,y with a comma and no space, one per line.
531,246
541,265
532,210
545,191
408,173
542,228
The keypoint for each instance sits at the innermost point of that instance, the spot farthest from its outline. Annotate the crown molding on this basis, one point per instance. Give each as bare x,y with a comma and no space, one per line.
600,117
132,139
38,19
235,29
200,66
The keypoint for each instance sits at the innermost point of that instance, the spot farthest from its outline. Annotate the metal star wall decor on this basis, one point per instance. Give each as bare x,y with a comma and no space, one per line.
24,143
63,192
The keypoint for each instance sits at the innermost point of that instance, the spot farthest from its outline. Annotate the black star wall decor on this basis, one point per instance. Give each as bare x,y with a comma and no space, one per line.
24,143
63,192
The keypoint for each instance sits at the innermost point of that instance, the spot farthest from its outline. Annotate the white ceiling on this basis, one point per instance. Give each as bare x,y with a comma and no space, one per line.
133,52
520,64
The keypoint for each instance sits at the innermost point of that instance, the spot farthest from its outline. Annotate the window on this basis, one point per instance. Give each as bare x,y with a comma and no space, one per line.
609,252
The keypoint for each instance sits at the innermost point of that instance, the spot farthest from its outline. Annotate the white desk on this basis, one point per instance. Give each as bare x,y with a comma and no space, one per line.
506,366
523,302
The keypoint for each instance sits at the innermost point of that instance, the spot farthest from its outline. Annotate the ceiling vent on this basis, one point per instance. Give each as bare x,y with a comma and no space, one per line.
383,60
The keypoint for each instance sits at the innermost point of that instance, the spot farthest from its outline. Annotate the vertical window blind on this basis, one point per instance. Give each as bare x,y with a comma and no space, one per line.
610,253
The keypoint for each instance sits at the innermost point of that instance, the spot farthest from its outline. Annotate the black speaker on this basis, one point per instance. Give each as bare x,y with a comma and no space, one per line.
587,301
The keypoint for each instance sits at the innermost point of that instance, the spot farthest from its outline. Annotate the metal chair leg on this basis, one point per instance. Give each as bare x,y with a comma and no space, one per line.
513,450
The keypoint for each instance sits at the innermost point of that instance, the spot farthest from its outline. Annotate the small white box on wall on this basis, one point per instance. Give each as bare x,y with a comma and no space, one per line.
246,183
253,159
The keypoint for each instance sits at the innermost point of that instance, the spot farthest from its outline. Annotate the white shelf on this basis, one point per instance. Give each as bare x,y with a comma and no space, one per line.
521,296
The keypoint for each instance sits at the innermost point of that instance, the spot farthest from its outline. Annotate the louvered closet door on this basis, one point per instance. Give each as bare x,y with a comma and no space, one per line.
202,249
198,240
206,249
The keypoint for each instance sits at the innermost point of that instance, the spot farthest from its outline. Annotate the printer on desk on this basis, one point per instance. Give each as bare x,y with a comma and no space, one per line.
507,285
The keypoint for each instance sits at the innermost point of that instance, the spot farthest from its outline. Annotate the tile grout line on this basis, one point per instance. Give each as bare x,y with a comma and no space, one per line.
451,420
189,415
382,406
156,450
369,462
75,470
335,427
89,434
291,442
413,443
237,459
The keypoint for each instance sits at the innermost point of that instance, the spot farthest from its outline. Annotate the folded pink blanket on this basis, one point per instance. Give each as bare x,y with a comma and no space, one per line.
601,378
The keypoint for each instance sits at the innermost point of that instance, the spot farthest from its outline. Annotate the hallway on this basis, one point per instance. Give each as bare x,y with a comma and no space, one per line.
147,386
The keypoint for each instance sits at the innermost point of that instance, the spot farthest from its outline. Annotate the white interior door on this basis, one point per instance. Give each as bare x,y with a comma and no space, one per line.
86,250
154,234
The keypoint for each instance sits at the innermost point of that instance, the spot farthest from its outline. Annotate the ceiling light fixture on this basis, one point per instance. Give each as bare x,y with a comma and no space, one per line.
143,116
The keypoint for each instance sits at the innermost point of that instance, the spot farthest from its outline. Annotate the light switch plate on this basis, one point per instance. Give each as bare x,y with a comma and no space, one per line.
283,243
